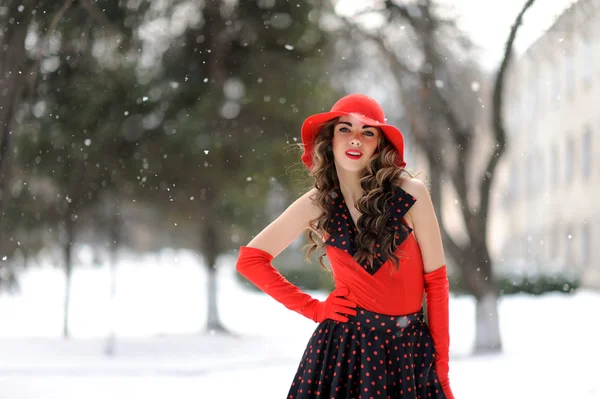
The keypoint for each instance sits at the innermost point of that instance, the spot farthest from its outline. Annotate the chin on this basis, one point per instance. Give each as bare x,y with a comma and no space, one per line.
351,166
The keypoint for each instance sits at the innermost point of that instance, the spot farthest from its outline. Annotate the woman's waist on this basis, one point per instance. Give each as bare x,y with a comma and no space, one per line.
391,324
385,299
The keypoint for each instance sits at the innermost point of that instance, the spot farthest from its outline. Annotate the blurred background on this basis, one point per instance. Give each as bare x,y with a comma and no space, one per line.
142,142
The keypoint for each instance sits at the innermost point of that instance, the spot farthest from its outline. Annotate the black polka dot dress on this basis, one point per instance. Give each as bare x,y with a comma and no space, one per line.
372,356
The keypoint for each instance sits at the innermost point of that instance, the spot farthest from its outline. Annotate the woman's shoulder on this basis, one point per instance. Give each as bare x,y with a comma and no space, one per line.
308,203
309,196
414,187
416,197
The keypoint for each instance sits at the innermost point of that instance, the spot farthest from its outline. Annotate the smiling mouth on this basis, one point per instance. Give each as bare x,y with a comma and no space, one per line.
354,154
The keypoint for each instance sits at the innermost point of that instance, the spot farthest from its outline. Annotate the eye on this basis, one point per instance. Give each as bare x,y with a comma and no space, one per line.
344,129
369,133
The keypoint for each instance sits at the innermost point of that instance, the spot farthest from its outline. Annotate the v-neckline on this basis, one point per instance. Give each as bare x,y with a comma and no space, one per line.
348,212
342,228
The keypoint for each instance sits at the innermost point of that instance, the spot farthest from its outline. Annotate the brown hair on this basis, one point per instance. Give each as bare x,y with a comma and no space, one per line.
380,176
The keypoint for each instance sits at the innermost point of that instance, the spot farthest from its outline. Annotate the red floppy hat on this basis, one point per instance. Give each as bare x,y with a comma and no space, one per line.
366,110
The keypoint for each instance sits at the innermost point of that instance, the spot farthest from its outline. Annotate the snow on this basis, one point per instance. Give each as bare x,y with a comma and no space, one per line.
161,351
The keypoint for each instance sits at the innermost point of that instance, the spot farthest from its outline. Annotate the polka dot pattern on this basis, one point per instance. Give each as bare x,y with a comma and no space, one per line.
372,356
342,230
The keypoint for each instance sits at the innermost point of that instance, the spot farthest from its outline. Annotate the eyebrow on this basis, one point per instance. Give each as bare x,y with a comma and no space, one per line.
350,124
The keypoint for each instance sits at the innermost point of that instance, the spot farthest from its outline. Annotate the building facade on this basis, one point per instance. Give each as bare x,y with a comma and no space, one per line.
550,181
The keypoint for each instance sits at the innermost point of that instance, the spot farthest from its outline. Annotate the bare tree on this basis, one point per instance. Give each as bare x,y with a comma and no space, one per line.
429,59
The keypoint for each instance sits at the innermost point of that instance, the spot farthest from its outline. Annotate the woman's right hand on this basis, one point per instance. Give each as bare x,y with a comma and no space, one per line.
335,307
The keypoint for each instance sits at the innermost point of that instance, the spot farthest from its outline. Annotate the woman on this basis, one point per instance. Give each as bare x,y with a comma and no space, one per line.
382,238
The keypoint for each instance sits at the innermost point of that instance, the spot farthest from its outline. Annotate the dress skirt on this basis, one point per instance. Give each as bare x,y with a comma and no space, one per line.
372,356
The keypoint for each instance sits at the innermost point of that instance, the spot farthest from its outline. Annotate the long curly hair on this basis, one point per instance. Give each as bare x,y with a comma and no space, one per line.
377,182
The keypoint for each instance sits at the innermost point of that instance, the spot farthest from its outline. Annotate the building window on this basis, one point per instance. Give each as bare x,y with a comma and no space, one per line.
527,178
545,87
588,65
586,153
539,88
531,174
571,263
585,245
556,81
513,188
569,156
533,91
569,72
556,243
554,167
526,95
537,171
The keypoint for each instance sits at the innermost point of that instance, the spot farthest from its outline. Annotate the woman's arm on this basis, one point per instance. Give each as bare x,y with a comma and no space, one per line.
288,226
254,263
437,288
425,225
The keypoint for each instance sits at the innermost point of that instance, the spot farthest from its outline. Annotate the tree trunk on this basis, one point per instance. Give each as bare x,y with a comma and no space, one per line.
478,279
487,319
213,322
114,237
68,257
487,324
218,42
211,250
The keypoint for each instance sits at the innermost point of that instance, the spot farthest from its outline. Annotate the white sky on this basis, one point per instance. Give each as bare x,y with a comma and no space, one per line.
488,22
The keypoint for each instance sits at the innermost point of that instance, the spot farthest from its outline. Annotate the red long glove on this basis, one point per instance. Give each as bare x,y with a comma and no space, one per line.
437,290
255,265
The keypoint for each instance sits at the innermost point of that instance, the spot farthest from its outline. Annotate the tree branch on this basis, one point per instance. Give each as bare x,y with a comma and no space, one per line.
390,55
497,111
439,104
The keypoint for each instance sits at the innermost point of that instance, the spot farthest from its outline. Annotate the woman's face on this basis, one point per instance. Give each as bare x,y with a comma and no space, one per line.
353,143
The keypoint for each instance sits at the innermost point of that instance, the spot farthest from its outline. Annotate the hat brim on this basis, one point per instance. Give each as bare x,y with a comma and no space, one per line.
312,125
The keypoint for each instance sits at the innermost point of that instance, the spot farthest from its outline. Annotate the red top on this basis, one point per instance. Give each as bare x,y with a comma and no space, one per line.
380,288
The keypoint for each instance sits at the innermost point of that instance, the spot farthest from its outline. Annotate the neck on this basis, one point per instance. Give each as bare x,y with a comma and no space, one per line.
350,186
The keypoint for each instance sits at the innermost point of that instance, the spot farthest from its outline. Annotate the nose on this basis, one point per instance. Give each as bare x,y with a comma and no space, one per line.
355,141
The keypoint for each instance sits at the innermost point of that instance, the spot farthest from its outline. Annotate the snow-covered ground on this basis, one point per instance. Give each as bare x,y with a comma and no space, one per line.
551,343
